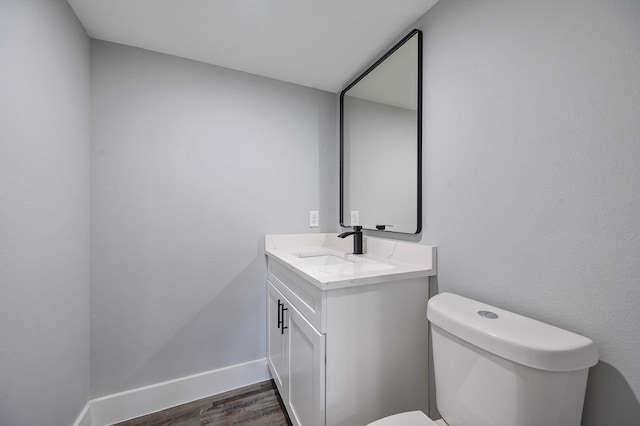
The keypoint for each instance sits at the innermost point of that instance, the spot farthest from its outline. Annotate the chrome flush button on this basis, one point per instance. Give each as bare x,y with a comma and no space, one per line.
487,314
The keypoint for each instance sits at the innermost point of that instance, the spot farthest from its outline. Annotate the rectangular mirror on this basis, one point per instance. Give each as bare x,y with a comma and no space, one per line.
381,142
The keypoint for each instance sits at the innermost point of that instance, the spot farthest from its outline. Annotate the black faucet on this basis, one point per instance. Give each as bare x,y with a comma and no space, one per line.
357,238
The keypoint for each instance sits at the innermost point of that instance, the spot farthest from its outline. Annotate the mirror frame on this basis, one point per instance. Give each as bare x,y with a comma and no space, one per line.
419,130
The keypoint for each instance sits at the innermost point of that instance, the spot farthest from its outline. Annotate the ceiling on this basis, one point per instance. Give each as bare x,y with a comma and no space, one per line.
323,44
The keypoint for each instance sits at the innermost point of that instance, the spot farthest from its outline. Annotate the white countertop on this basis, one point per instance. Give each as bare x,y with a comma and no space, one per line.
385,260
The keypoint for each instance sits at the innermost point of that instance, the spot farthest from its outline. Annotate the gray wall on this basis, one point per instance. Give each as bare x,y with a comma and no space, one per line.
532,171
191,165
44,213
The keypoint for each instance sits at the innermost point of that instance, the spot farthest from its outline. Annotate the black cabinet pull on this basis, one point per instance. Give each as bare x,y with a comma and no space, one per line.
280,305
284,327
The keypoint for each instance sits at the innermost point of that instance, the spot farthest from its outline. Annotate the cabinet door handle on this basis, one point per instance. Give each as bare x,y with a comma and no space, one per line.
280,306
284,327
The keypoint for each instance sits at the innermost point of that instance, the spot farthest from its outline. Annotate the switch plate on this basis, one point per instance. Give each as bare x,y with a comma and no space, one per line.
355,217
314,219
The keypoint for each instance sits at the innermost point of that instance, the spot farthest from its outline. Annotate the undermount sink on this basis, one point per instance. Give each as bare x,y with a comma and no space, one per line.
325,259
345,264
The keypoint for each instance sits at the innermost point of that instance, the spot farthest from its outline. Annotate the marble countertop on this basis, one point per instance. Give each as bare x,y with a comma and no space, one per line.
384,259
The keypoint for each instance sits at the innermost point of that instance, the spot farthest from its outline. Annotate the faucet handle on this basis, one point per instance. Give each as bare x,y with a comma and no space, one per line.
357,228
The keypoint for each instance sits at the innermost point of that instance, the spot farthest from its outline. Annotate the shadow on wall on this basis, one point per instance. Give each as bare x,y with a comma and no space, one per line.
620,406
433,409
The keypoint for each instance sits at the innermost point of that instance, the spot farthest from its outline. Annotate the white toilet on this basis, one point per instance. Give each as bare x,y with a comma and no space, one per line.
496,368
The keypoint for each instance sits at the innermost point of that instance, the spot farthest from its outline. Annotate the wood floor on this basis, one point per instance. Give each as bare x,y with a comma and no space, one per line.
255,405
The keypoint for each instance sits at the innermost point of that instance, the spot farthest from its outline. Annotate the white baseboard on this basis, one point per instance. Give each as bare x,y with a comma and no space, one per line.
84,419
134,403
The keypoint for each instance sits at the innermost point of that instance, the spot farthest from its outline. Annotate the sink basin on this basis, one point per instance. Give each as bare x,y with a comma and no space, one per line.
350,264
325,259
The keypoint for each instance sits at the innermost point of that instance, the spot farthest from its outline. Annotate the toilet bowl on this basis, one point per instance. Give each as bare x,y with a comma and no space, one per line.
497,368
410,418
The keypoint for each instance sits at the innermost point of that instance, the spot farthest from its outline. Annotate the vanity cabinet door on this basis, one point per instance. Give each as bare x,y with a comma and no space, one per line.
276,339
306,373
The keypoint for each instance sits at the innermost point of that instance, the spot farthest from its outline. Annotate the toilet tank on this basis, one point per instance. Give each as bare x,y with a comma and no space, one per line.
496,368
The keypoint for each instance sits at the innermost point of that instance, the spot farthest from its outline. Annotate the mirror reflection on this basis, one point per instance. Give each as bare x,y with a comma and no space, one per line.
380,139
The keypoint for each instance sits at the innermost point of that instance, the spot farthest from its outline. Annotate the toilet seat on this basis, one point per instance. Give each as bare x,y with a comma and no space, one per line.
410,418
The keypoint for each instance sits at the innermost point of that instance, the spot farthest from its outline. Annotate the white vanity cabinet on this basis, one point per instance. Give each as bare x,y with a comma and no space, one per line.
276,348
344,353
296,352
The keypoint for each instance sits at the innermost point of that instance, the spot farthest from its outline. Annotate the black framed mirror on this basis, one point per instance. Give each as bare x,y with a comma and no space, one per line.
381,142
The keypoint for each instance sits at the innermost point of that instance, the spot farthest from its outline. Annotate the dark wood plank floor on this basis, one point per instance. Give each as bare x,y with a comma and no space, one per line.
255,405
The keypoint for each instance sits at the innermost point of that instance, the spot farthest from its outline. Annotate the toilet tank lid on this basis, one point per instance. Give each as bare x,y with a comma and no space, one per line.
515,337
